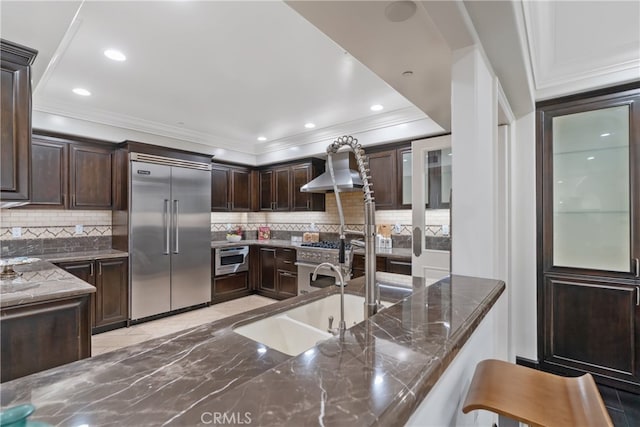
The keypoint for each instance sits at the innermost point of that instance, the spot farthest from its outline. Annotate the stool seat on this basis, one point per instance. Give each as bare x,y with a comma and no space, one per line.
534,397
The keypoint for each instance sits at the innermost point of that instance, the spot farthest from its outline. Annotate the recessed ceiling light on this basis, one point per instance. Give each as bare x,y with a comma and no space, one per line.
262,138
605,134
376,107
408,73
82,92
450,154
309,125
590,158
115,55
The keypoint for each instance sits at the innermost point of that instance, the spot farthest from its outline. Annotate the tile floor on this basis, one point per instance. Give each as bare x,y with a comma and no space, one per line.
113,340
623,407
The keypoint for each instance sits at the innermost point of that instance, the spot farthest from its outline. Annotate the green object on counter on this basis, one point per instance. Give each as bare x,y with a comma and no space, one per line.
17,417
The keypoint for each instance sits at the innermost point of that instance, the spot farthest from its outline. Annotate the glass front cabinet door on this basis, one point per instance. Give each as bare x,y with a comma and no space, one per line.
589,235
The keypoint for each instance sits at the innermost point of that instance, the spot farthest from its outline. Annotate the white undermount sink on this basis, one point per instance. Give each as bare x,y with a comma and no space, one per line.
294,331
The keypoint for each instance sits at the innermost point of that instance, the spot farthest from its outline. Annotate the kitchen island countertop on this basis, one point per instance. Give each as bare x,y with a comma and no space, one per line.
377,373
41,281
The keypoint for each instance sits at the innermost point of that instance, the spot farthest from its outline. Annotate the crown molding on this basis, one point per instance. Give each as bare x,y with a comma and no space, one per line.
140,125
379,121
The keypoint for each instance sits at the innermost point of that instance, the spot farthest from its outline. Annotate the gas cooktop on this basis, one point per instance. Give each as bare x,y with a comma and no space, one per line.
325,244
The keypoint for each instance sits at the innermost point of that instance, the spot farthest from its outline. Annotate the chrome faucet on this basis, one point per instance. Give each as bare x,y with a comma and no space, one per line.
372,292
342,326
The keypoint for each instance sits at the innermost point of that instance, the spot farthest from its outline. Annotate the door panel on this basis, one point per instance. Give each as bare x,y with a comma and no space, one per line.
49,174
190,237
220,189
282,190
592,325
266,190
150,260
111,294
90,177
240,190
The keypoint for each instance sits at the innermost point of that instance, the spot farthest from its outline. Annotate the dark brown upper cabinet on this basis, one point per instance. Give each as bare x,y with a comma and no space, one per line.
275,190
231,188
90,177
300,175
384,178
15,123
50,171
280,187
588,204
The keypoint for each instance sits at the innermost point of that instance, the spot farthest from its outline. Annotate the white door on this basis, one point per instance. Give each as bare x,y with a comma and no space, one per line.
429,263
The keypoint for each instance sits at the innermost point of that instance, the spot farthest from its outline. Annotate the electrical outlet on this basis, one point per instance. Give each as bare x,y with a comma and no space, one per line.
397,228
16,231
79,229
445,230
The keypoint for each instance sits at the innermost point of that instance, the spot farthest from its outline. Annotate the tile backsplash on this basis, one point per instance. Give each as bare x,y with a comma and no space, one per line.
48,230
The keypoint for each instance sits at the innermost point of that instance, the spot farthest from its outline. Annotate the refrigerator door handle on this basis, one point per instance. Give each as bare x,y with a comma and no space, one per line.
176,227
167,235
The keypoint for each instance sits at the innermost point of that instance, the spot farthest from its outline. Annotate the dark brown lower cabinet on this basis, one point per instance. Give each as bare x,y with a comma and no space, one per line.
230,286
384,264
110,303
112,292
278,276
44,335
592,325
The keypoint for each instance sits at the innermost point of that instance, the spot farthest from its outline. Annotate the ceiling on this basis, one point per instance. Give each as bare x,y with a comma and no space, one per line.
213,76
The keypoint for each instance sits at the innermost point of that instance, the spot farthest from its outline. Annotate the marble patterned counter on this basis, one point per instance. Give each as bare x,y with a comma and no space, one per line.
376,374
40,281
84,255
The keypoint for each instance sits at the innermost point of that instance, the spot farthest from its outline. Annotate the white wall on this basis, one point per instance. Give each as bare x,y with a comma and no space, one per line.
474,137
523,238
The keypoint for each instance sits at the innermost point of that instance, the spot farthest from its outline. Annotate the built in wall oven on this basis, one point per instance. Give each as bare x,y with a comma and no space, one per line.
231,260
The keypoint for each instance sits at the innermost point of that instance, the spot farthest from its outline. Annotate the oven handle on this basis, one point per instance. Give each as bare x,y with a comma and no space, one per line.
305,264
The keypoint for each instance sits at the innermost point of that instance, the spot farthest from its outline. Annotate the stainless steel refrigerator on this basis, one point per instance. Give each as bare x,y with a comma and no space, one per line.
169,235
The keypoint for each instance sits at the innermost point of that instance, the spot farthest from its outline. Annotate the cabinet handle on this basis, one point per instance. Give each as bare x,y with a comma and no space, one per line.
91,273
637,261
99,269
231,203
309,204
229,206
637,296
287,274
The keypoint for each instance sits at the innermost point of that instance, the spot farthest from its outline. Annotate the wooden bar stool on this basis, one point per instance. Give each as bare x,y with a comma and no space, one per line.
534,397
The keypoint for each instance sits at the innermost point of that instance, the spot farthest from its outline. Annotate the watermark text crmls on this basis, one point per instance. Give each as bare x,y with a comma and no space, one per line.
222,418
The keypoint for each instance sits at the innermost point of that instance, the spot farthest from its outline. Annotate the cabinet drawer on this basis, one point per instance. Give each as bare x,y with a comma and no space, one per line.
230,283
359,264
286,259
399,266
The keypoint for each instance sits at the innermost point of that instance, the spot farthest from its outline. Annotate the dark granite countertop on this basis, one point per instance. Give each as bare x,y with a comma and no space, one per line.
377,373
40,281
83,255
391,253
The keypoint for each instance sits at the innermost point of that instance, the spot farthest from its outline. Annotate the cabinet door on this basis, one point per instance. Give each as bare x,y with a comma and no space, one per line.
90,177
405,175
300,175
267,281
36,337
111,291
266,190
15,123
220,188
287,284
592,326
49,174
240,190
282,190
383,177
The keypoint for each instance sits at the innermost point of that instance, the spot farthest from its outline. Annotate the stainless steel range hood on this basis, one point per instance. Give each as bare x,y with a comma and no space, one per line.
347,178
